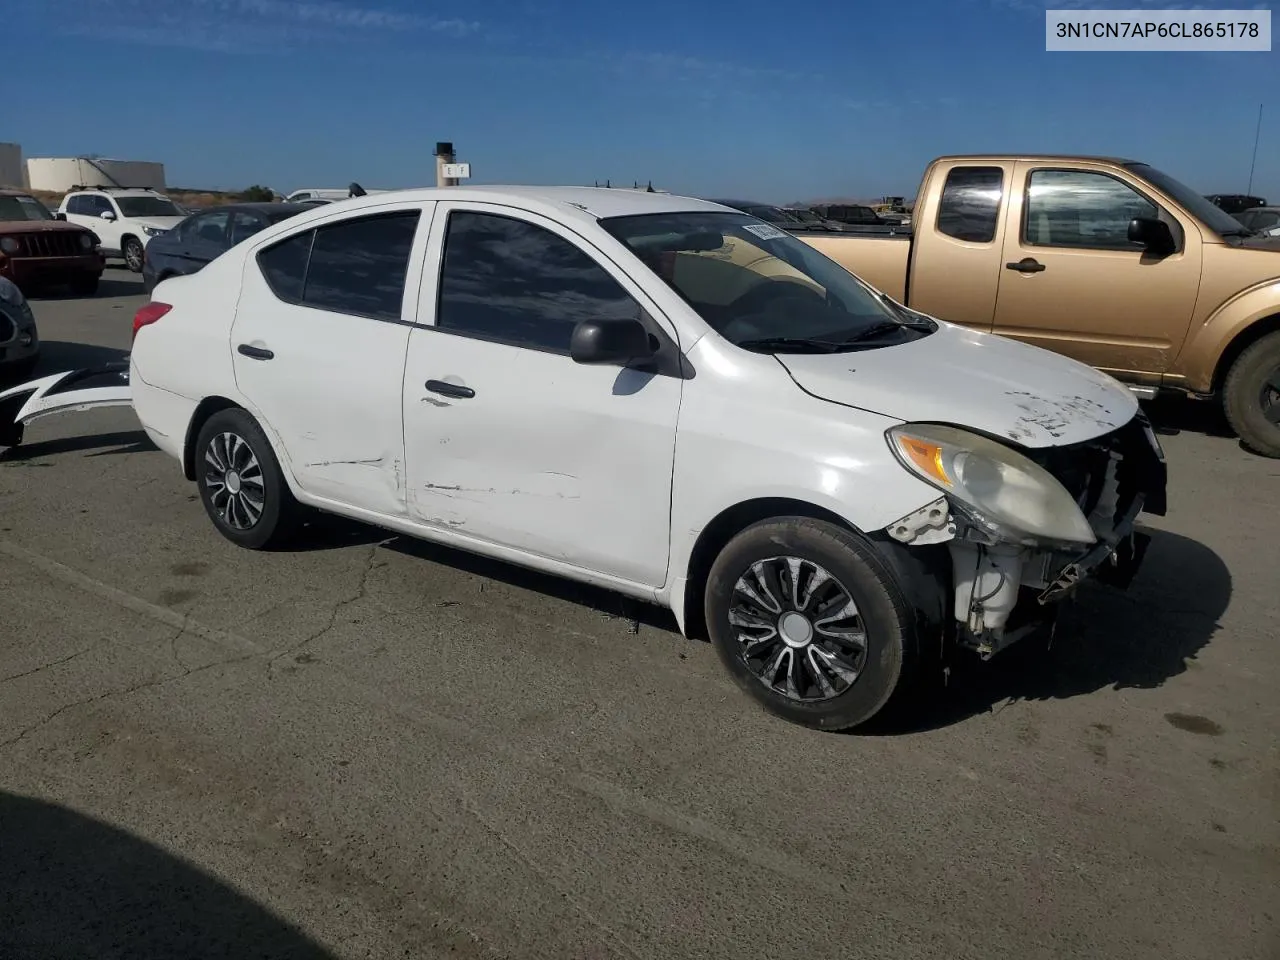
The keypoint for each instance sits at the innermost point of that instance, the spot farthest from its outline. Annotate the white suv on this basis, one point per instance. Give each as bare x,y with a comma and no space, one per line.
125,220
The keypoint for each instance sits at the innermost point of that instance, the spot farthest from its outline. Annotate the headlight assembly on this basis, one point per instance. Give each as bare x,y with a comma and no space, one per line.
998,488
9,244
86,241
153,231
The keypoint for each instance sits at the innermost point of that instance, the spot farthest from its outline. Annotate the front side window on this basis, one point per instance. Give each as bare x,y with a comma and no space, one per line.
245,225
970,206
147,207
756,284
23,207
1077,208
511,281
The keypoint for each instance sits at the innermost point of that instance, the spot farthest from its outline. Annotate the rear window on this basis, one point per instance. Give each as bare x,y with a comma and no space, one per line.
970,206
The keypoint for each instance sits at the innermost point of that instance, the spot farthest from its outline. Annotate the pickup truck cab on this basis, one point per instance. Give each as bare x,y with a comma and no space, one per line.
656,395
1108,261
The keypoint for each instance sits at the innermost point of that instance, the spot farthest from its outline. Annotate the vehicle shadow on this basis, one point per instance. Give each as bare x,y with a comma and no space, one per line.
75,887
1172,414
57,356
107,287
1107,639
602,601
106,445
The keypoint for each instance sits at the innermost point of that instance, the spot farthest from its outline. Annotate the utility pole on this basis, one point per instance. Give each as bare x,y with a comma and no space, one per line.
1254,161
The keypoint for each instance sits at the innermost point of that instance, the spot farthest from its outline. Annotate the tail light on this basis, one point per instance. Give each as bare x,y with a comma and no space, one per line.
149,314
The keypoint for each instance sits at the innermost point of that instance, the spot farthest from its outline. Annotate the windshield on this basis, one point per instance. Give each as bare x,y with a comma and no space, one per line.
751,281
23,208
1202,208
147,207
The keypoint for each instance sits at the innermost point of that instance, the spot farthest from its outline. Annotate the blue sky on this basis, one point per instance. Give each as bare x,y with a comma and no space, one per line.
758,98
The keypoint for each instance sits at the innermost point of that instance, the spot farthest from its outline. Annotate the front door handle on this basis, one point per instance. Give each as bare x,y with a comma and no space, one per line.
1026,265
450,389
257,353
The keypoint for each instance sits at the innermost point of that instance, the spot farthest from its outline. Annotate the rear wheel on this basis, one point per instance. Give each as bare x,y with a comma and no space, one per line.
241,484
811,622
1251,396
132,251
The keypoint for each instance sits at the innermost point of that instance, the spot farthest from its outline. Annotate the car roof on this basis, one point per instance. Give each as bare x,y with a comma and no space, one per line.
253,206
594,203
118,191
14,192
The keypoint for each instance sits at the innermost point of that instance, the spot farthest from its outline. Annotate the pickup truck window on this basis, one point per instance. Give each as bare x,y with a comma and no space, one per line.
970,205
1078,208
1200,207
751,281
510,281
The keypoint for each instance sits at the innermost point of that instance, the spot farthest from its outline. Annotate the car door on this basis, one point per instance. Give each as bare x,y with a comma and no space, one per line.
203,238
1072,281
319,340
507,439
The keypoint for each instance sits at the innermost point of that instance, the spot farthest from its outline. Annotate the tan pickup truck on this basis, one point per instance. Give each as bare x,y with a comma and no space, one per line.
1109,261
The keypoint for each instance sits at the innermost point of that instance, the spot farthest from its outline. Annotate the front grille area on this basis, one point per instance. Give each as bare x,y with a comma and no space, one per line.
1082,468
60,243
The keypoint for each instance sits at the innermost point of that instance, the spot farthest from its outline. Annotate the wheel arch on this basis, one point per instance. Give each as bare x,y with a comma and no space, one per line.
204,410
1241,342
923,573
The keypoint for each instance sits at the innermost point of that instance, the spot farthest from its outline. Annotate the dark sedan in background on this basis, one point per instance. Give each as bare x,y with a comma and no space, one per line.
206,235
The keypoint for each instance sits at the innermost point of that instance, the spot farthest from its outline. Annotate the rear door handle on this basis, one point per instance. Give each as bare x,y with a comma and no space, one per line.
1026,265
258,353
450,389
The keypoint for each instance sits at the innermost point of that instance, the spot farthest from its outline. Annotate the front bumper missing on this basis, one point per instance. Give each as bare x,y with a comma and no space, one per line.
1114,561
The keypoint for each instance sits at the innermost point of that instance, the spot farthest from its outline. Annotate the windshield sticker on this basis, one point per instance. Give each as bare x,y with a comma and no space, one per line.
765,231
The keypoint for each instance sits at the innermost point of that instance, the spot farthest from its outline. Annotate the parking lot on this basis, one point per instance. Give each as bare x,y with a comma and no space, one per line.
373,747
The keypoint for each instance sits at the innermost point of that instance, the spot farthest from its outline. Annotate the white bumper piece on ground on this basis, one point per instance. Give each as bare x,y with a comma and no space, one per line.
104,386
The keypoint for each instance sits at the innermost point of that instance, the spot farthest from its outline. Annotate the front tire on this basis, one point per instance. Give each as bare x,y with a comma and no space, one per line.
811,622
132,251
1251,396
241,484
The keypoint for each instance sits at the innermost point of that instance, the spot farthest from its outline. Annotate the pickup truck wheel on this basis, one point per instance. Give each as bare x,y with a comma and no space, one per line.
1251,396
132,251
241,484
809,621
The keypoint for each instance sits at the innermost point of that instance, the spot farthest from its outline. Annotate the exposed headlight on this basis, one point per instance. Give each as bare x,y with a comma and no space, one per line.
86,241
9,244
1008,495
153,231
10,293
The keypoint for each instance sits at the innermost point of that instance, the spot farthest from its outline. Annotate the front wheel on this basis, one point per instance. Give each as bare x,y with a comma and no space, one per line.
241,484
1251,396
811,622
133,254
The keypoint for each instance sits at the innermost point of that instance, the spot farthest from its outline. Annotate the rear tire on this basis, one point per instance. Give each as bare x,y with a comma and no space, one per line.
241,484
1251,396
828,640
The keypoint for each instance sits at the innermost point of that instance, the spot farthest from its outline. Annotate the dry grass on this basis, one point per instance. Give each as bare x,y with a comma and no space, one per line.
191,199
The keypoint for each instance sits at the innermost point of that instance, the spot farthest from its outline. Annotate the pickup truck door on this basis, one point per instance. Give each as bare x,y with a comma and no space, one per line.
1072,282
508,441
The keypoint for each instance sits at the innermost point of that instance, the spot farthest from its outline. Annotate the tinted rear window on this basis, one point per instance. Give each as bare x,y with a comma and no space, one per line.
970,206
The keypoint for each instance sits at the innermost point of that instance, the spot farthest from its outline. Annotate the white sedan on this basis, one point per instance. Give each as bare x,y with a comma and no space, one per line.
660,396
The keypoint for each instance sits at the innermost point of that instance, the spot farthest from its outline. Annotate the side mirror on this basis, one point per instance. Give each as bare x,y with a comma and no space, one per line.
618,341
1153,234
107,215
59,215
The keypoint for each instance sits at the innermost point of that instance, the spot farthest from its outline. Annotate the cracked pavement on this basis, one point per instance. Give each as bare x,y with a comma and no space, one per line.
370,747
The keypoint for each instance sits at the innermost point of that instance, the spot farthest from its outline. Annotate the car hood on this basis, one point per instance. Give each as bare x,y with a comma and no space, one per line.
39,226
976,380
158,223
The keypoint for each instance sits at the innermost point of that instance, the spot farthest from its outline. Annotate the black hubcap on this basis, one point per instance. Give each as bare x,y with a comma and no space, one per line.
1270,397
798,629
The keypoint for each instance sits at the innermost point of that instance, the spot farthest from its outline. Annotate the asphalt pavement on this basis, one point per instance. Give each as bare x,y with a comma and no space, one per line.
373,747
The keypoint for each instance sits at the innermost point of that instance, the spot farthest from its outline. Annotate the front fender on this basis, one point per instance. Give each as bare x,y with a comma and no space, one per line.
1199,358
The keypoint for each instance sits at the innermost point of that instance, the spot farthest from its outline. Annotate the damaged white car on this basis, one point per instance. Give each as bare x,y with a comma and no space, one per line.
657,395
